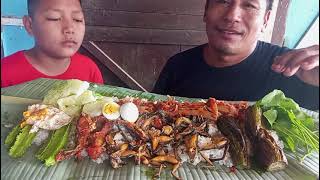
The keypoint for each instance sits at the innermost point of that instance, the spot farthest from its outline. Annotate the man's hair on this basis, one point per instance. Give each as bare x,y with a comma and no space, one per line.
32,4
269,4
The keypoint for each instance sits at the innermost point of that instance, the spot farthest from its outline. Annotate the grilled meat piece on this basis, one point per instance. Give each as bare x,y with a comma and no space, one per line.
240,146
267,153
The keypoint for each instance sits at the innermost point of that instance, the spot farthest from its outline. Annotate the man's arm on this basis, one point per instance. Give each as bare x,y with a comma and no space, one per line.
304,63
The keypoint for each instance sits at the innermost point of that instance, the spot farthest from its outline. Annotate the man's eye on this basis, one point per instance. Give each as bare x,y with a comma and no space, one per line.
251,6
223,1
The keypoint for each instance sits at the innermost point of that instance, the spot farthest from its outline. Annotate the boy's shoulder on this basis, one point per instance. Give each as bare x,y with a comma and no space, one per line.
81,58
83,61
13,58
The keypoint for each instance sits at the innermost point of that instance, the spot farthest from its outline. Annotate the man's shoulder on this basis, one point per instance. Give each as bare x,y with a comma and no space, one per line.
265,47
186,56
195,51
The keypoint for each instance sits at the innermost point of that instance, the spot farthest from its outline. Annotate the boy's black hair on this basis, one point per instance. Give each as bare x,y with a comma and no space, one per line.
269,4
32,4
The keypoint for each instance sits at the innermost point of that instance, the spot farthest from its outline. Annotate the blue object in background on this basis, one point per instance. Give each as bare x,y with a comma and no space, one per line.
301,15
15,38
17,8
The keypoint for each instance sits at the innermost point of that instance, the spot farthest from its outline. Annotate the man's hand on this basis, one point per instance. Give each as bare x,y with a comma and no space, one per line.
304,63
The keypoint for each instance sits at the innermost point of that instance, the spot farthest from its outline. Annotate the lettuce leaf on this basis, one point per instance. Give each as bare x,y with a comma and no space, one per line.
293,126
65,89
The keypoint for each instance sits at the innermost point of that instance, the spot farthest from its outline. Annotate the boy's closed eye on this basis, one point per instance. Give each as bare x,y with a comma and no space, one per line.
80,20
53,18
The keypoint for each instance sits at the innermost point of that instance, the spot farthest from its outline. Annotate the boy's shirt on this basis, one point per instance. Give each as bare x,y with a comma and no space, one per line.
16,69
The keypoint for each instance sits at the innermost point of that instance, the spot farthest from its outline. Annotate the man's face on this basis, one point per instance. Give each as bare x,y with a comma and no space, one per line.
58,27
233,26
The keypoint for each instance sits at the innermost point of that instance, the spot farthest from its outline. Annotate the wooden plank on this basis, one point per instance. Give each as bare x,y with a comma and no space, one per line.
143,20
193,7
108,76
280,23
143,62
138,35
112,65
311,36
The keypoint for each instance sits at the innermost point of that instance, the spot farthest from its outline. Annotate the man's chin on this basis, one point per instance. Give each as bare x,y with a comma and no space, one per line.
227,49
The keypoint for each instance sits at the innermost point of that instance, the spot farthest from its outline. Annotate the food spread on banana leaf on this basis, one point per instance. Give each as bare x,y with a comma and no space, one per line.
84,123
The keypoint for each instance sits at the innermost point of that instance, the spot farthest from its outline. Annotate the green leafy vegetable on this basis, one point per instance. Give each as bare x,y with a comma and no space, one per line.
55,144
22,142
271,115
293,126
65,89
12,136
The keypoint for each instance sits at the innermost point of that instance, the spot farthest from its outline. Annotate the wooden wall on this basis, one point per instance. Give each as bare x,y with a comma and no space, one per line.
131,40
139,36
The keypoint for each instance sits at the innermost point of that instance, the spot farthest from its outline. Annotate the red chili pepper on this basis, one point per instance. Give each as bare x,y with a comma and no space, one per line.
157,123
233,169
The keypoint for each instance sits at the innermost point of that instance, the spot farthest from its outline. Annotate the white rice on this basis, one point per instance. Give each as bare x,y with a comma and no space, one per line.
218,153
100,159
41,136
118,138
169,148
213,129
181,150
212,154
203,141
84,153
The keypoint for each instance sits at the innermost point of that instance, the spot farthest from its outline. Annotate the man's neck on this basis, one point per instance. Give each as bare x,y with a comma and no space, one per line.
216,58
48,65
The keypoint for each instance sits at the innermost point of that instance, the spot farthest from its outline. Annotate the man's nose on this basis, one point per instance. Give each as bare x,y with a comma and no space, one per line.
233,14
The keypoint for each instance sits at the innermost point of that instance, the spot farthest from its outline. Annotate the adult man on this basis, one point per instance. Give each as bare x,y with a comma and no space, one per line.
234,65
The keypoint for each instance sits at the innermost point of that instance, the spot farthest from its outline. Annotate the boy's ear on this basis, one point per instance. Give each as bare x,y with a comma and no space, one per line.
204,18
27,22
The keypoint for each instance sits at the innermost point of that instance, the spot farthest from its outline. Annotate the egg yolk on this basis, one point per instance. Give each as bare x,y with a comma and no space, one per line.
37,115
111,108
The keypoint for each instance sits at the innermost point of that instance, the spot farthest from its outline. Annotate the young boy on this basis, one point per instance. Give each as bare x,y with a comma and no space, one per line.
58,28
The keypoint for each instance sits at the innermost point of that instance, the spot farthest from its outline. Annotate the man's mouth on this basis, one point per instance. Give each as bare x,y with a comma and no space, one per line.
229,31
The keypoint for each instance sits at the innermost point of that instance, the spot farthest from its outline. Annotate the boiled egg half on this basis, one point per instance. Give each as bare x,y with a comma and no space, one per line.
129,112
111,110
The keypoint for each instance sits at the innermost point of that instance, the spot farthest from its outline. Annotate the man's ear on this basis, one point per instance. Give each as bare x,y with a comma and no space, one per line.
266,20
27,22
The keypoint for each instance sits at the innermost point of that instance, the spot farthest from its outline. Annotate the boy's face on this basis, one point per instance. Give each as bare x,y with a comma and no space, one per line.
58,27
